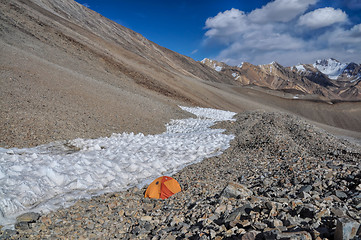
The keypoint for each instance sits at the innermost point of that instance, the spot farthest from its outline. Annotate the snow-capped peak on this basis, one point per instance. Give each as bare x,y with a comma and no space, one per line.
214,64
330,67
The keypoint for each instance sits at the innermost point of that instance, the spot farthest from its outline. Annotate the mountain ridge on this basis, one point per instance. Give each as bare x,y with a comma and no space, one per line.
328,79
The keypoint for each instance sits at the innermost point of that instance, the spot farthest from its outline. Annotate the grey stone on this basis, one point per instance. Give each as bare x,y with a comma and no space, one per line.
236,190
29,217
341,194
305,188
22,226
346,229
303,235
250,235
241,211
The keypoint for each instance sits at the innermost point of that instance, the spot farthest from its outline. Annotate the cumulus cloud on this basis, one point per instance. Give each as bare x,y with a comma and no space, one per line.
227,25
283,32
280,10
323,17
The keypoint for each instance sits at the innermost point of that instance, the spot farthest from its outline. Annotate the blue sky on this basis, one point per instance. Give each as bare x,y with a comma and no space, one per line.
258,31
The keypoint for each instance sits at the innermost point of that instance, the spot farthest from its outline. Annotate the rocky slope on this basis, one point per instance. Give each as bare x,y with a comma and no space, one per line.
70,72
326,79
295,182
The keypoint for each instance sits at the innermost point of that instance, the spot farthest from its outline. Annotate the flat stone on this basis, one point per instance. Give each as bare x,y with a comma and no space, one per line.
250,235
236,190
22,226
303,235
146,218
305,188
341,194
28,217
241,211
346,229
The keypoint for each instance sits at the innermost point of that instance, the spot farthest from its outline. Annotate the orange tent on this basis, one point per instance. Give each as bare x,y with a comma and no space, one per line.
162,187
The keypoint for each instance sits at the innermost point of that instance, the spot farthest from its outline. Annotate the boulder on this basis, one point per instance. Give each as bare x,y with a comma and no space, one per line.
236,190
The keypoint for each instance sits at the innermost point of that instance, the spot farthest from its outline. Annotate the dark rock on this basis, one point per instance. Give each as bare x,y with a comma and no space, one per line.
252,235
346,229
307,211
341,194
245,210
305,188
22,226
295,235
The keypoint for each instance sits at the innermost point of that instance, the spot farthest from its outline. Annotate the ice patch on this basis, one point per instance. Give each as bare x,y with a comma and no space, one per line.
218,68
48,177
300,68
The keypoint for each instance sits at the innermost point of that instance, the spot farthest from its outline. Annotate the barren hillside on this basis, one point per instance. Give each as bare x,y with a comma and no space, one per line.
68,72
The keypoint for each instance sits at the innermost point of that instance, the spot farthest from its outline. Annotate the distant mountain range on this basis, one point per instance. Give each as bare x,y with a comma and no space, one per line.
326,79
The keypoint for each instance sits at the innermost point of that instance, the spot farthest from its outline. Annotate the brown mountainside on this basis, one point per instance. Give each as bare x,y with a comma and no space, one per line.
304,80
68,72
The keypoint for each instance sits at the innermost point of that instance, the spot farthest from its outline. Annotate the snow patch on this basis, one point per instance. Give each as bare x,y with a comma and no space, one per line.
300,68
217,68
331,67
48,177
235,76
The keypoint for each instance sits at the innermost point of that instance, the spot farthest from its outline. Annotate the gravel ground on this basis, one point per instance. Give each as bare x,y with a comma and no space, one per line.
282,178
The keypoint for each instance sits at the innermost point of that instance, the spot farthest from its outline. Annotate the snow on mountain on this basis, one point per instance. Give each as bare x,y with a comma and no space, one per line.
213,64
217,68
330,67
300,68
236,76
47,177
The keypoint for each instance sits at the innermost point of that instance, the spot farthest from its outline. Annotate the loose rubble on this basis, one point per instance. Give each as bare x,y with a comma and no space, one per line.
282,178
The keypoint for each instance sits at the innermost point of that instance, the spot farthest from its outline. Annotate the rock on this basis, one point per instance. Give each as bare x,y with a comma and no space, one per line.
295,235
307,211
29,217
323,213
236,190
346,229
305,188
341,194
220,209
146,218
358,188
338,212
22,226
241,211
252,235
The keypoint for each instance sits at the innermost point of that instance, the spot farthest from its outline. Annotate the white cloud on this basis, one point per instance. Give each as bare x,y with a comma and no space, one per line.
194,51
280,10
226,25
265,35
86,5
323,17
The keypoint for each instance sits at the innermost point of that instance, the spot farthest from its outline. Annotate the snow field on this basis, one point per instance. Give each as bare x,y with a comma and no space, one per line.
55,175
